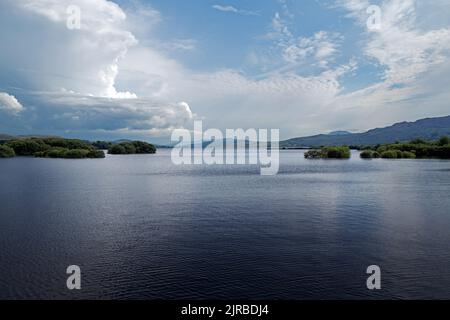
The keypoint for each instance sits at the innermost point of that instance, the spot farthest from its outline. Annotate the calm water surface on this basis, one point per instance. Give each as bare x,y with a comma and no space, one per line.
142,228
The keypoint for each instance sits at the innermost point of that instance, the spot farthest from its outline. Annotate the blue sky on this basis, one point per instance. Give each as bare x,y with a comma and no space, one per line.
141,68
226,38
232,36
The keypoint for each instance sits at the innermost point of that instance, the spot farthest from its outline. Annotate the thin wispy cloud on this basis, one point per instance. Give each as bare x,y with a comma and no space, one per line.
227,8
180,45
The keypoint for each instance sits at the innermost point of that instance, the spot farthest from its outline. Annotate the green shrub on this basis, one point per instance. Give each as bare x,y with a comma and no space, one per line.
55,153
444,141
369,154
366,154
134,147
58,152
337,152
315,154
397,154
390,154
129,148
117,149
27,147
329,153
102,145
68,143
96,154
6,152
381,149
445,152
76,154
408,155
144,147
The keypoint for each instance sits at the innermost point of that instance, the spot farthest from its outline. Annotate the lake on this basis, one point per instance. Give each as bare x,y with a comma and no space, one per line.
142,228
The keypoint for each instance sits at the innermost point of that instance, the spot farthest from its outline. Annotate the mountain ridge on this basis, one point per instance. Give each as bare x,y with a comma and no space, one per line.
427,129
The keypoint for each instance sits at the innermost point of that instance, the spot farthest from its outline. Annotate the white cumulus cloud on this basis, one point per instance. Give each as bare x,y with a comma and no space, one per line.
52,56
70,76
9,104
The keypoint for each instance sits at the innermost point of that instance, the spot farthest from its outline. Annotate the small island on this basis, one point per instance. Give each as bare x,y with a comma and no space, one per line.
55,147
6,152
132,147
50,147
416,149
329,153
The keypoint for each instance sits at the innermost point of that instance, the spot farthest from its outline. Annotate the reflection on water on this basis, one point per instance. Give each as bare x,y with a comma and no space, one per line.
140,227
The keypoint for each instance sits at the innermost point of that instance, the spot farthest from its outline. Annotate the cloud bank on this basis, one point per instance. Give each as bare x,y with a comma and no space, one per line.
69,76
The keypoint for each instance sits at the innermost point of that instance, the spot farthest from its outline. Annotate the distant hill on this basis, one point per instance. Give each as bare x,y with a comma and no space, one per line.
428,129
5,137
10,137
121,140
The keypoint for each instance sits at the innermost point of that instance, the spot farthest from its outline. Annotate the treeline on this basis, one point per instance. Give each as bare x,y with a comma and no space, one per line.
417,148
6,152
329,153
50,148
125,147
53,147
132,147
70,148
102,145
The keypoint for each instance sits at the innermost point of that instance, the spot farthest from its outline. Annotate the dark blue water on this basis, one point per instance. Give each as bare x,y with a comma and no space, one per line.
142,228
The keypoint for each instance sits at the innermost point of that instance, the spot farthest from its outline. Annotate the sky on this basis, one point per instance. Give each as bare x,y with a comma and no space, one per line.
142,68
